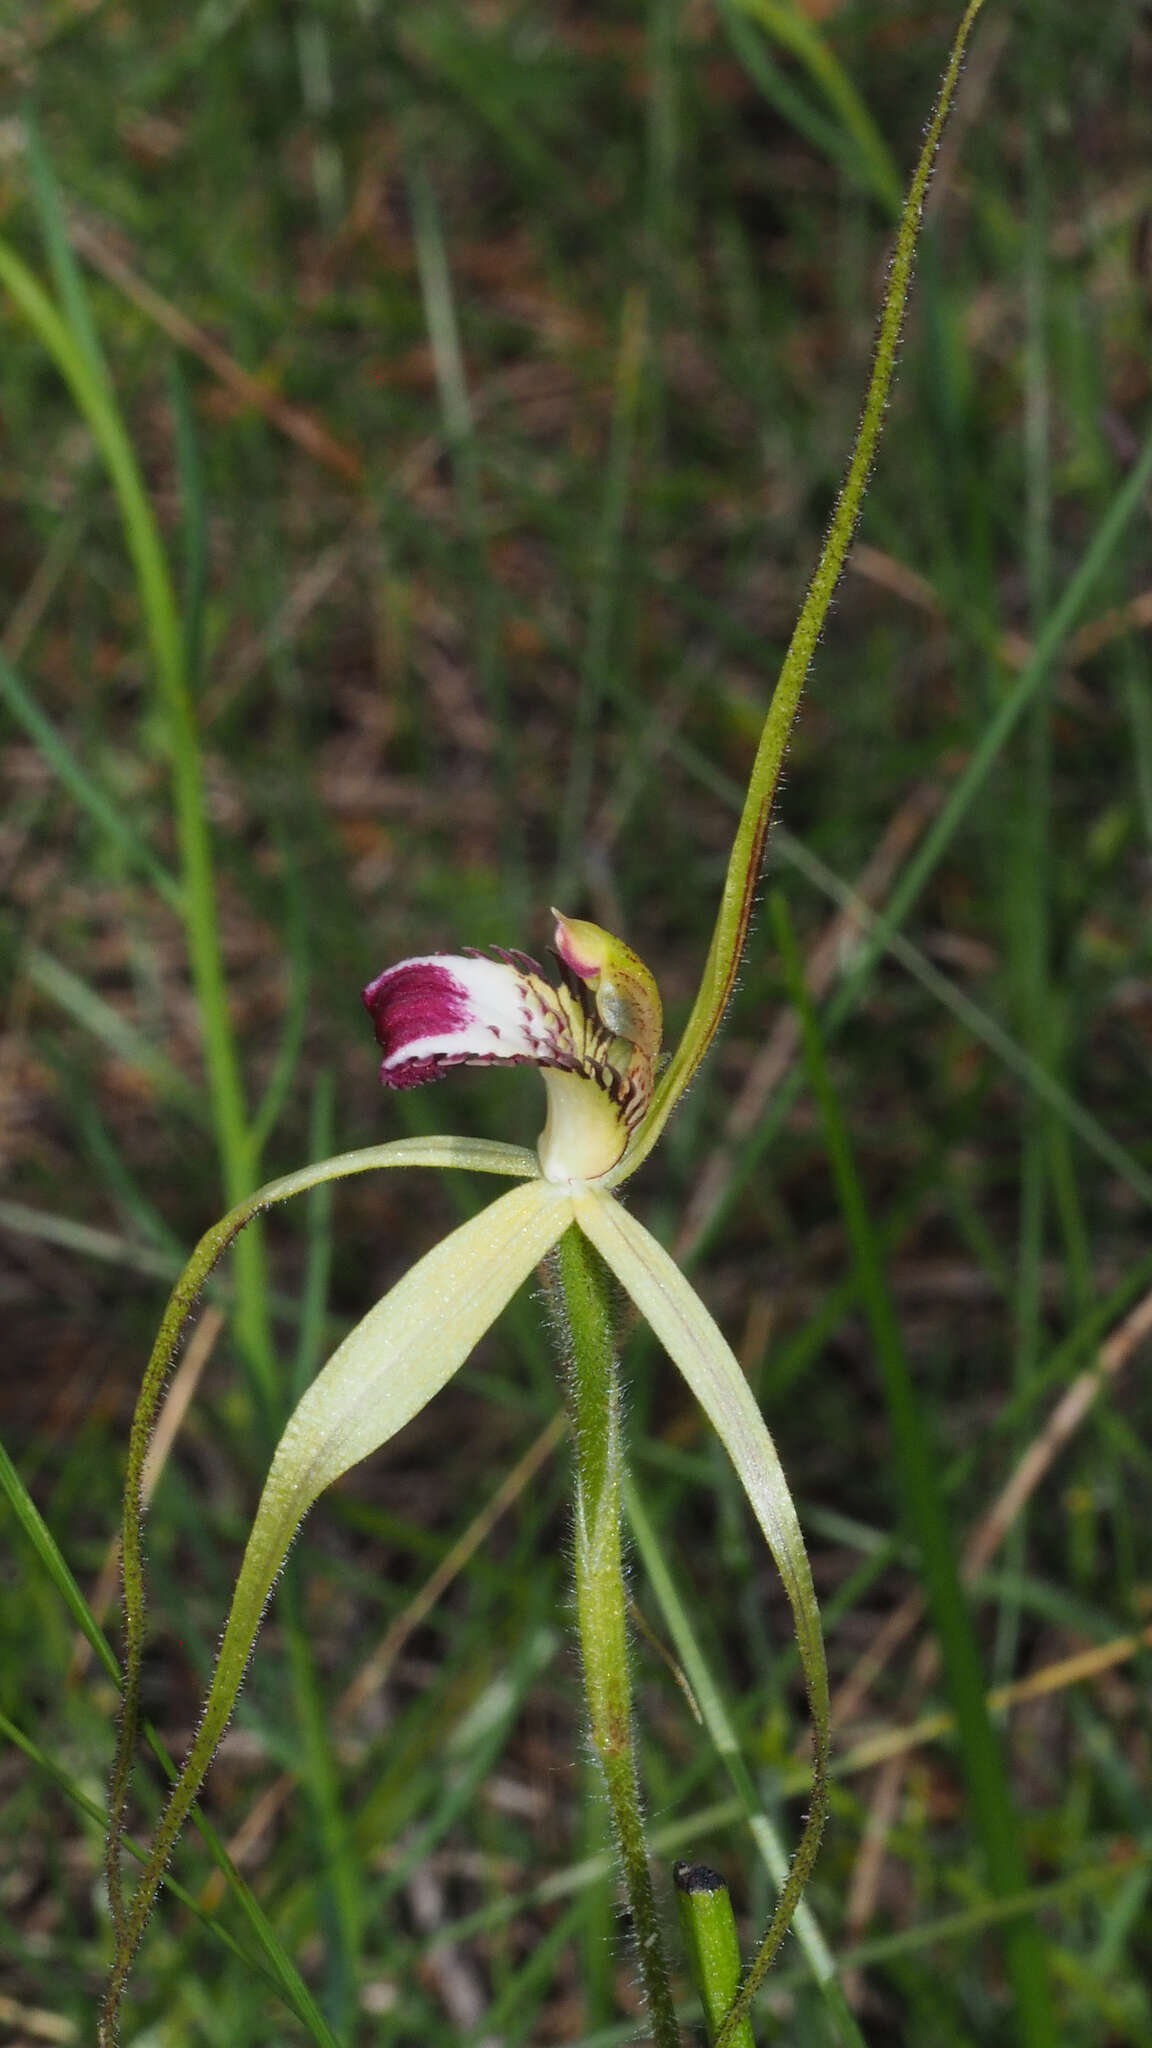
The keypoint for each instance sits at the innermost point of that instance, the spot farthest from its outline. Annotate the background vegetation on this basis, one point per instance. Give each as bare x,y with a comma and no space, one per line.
491,369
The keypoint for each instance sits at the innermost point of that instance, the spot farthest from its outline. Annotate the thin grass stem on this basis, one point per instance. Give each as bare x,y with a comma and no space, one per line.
734,919
984,1767
166,640
718,1723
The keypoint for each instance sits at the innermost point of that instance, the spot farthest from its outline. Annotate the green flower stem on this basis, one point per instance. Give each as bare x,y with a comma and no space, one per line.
708,1926
586,1329
740,885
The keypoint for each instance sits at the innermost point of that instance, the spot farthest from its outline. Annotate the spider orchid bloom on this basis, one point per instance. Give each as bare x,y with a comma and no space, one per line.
593,1031
594,1034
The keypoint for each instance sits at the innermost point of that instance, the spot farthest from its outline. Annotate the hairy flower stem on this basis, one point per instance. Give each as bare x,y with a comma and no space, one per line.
584,1316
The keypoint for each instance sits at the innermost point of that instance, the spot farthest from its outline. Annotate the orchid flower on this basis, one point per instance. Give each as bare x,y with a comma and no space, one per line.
592,1027
593,1030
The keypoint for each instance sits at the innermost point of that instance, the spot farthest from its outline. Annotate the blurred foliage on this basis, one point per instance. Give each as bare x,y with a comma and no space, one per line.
492,369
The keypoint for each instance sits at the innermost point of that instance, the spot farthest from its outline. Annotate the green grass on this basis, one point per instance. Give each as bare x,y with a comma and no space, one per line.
561,319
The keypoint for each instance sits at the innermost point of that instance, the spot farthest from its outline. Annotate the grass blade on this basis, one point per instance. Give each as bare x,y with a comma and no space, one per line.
48,1551
734,918
93,395
67,275
108,817
719,1725
795,31
924,1502
80,1001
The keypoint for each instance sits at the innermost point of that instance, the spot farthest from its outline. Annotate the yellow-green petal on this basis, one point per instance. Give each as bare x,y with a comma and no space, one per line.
684,1327
693,1341
384,1372
406,1347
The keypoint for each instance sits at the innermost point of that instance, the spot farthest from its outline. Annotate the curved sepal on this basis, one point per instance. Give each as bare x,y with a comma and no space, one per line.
478,1155
692,1340
384,1372
412,1342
